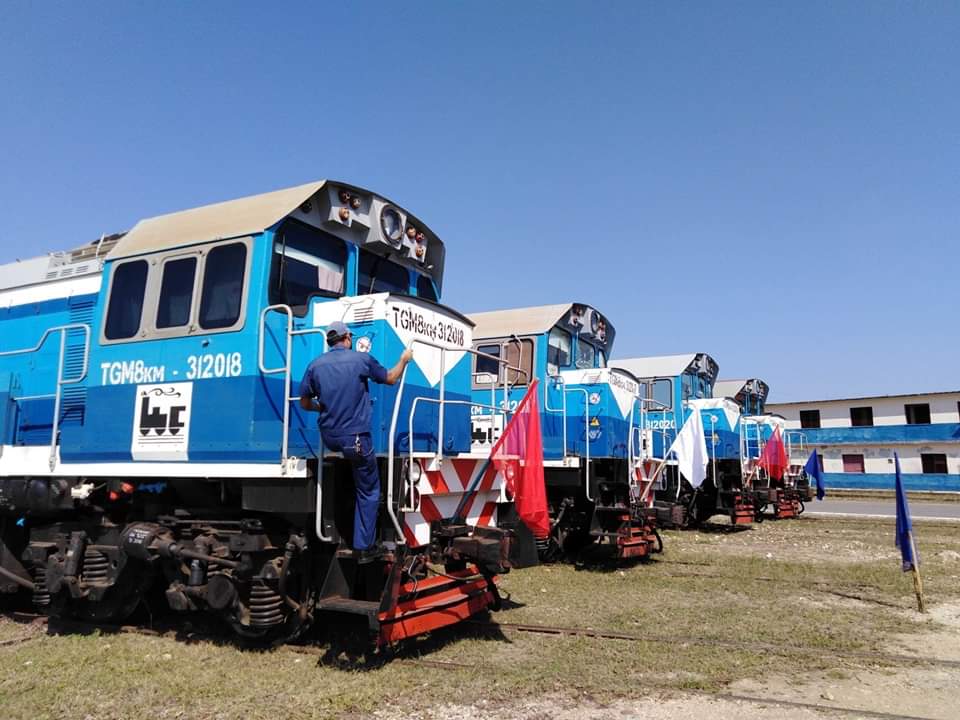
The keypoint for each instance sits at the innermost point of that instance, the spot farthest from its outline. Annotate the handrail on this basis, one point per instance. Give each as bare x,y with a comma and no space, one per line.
318,520
61,381
395,417
586,436
558,380
287,368
413,410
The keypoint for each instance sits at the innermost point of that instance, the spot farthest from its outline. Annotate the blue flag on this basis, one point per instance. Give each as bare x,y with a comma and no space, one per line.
812,469
904,526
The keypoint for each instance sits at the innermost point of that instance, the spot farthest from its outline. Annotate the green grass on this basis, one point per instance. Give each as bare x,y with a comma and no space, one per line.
706,585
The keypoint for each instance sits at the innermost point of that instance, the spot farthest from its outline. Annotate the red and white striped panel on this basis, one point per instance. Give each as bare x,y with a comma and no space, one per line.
441,492
644,472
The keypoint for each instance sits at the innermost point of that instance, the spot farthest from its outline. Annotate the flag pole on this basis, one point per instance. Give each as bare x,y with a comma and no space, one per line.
917,580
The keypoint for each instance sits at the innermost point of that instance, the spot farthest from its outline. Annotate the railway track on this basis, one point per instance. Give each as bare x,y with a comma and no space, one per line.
520,628
774,648
557,631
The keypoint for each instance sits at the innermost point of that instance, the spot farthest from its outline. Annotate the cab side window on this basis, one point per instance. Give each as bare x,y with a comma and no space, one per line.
486,370
519,355
126,300
222,295
558,350
662,391
176,293
306,262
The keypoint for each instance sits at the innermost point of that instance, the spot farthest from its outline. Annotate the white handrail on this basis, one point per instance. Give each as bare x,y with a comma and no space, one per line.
395,417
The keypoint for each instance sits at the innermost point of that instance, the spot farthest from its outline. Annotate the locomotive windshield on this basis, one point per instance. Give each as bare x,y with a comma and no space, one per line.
425,289
696,387
376,274
586,354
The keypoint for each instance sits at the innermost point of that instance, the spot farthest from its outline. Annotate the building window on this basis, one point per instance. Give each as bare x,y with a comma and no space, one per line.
861,417
918,414
853,464
810,419
222,295
126,300
934,463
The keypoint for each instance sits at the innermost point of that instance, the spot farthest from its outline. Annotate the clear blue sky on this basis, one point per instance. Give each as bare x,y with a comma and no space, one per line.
775,184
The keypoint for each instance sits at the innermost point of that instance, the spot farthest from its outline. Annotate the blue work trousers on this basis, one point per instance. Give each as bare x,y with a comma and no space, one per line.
357,448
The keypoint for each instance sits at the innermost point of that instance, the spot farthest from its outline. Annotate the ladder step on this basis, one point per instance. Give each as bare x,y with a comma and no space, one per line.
348,605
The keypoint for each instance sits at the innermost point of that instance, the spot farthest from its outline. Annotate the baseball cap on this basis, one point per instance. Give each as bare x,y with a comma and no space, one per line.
336,331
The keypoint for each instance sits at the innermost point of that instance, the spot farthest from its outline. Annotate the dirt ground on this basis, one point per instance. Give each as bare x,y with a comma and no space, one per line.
807,604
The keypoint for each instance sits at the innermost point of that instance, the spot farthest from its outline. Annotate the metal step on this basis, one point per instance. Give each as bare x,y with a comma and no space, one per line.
348,605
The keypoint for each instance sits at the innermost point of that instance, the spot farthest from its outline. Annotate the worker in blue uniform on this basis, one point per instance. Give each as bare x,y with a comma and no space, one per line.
335,385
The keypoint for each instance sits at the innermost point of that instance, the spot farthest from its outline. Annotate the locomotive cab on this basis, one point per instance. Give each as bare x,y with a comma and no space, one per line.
785,495
587,416
151,432
677,386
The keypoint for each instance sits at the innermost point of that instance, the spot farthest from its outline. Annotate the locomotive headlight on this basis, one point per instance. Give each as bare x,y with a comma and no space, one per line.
414,472
391,225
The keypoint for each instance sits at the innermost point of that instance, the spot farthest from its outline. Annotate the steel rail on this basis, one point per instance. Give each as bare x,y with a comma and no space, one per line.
560,631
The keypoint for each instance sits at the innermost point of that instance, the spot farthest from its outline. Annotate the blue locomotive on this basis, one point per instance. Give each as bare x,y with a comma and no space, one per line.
785,496
149,442
674,387
589,419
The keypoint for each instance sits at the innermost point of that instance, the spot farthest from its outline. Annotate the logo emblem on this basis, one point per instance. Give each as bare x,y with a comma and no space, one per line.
594,398
161,421
364,344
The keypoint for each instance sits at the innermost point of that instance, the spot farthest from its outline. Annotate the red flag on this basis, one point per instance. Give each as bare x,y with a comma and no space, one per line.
518,455
773,459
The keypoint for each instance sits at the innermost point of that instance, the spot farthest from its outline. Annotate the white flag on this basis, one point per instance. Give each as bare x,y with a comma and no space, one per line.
691,449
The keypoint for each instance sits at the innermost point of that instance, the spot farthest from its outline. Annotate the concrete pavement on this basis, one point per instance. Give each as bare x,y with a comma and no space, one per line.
883,508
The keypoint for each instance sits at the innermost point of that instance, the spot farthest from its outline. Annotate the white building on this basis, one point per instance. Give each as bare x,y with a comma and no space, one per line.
857,437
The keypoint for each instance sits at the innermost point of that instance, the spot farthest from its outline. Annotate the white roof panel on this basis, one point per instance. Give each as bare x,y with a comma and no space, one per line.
728,388
518,321
233,218
659,366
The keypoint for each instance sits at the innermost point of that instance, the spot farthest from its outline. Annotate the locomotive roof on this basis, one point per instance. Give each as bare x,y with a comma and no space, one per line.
663,365
229,219
732,388
518,321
